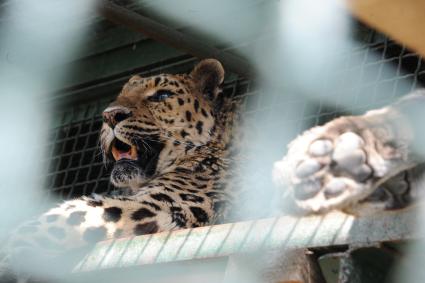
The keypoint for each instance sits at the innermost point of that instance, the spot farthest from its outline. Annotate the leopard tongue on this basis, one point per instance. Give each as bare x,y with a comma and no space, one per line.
130,154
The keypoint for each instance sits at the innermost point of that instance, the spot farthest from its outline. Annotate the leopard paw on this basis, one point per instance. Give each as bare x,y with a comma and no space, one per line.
337,165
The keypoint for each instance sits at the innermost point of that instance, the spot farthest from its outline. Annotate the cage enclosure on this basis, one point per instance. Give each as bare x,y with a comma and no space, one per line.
287,89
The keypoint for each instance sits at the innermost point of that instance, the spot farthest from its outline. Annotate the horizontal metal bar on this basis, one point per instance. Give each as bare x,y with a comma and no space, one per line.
266,234
172,37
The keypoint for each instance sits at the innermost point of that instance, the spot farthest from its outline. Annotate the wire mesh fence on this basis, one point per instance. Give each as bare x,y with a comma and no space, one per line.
303,81
376,66
75,163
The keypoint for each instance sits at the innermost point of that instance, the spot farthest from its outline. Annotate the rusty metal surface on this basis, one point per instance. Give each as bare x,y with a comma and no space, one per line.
284,232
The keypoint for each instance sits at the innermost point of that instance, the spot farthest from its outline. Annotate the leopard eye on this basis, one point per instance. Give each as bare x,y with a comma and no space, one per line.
160,95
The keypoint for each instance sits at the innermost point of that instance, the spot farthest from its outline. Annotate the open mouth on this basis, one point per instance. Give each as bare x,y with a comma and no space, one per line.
144,155
121,150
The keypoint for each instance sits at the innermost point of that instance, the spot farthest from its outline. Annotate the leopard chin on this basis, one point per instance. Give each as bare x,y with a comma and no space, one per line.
134,164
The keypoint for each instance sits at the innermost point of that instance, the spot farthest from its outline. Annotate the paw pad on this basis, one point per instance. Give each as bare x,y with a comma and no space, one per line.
334,188
350,141
320,147
307,168
326,173
350,158
307,189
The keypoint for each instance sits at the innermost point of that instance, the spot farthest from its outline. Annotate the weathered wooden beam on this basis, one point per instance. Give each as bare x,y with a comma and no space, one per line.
403,20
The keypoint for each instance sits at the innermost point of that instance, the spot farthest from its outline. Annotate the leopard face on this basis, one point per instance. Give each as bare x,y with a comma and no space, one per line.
155,119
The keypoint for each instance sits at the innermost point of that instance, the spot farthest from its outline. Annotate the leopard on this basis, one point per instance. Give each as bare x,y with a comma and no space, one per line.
169,140
173,144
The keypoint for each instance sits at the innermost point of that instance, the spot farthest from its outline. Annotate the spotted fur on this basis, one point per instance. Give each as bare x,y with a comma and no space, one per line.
170,150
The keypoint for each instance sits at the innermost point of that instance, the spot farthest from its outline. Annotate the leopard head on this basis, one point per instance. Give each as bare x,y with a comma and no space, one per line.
155,119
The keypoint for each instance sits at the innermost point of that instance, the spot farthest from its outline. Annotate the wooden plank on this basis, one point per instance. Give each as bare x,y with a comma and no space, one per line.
403,20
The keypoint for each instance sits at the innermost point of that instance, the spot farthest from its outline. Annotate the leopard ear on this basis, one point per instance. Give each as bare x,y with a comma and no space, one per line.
135,78
208,75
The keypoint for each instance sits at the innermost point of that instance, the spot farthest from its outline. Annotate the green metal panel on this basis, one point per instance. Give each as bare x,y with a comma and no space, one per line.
281,233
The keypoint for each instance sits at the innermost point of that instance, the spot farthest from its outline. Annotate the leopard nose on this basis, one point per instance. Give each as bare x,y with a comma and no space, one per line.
115,114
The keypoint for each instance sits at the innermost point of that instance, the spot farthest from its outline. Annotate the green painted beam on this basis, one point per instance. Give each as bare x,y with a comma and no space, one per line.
266,234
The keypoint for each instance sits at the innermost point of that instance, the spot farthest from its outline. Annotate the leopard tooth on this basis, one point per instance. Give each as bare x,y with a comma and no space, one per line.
133,152
115,153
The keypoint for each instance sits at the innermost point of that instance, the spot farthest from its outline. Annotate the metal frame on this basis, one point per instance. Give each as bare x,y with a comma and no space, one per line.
286,232
223,241
172,37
